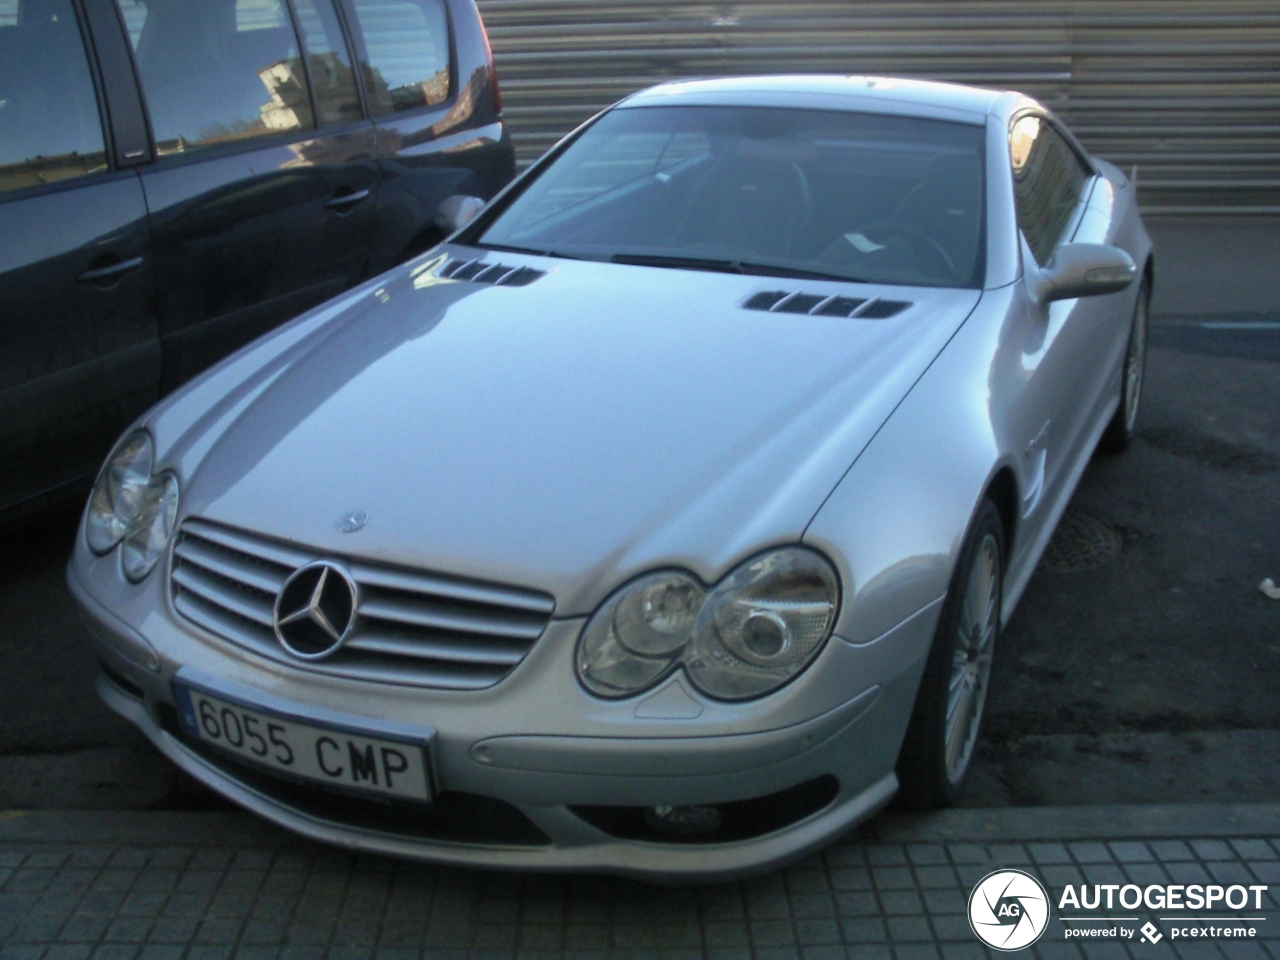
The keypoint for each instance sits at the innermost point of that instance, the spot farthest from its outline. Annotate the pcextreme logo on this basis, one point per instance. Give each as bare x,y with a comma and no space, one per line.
1009,910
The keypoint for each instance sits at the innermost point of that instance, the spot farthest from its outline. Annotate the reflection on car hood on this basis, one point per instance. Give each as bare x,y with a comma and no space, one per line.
564,435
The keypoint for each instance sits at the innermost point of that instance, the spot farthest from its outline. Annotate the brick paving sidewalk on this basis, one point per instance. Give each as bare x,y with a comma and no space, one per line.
213,886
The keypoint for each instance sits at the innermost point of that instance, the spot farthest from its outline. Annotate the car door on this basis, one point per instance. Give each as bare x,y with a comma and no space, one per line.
431,88
263,188
1051,182
77,322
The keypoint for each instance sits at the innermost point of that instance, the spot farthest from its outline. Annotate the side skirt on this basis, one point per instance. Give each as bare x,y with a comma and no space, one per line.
1023,565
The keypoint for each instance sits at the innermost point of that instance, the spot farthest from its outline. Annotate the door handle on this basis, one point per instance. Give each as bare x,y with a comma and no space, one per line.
107,274
346,200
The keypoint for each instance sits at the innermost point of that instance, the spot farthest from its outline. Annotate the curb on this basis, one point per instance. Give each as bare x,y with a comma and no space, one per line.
1154,821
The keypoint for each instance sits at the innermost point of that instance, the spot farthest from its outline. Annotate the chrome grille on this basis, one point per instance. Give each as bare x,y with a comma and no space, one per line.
410,627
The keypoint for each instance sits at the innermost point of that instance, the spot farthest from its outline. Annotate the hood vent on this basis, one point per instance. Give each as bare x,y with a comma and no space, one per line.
498,274
814,304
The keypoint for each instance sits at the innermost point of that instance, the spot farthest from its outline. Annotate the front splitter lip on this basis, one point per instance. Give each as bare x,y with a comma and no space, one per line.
603,854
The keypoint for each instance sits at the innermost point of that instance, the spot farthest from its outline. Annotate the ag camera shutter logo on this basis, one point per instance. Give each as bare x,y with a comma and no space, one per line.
1008,910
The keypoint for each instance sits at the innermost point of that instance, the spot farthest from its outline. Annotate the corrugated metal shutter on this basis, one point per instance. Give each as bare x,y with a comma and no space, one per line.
1187,89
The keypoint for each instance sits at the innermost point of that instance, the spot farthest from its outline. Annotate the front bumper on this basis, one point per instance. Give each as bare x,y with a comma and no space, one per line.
490,747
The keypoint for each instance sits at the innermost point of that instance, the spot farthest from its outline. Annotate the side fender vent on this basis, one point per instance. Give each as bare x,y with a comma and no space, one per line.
498,274
813,304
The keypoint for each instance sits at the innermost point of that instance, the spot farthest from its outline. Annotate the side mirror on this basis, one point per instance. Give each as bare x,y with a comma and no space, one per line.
1084,270
457,211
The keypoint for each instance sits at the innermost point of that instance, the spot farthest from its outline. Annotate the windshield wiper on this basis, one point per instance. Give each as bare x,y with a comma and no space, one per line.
508,248
728,266
560,254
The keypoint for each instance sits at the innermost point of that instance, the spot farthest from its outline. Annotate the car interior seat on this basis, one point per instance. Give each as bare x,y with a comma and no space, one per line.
947,206
747,206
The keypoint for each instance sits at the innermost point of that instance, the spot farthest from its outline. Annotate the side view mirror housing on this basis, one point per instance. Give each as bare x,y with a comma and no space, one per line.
1084,270
457,211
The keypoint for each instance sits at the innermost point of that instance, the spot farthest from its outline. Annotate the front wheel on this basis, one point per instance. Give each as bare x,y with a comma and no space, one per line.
942,735
1120,431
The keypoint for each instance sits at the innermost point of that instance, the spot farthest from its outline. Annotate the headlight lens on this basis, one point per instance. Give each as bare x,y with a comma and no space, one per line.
153,528
639,634
128,504
117,499
762,625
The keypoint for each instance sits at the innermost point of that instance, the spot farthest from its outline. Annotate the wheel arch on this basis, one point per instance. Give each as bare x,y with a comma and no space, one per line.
1002,490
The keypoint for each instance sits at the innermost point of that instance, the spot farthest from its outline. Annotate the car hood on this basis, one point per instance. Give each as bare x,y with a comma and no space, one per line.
563,435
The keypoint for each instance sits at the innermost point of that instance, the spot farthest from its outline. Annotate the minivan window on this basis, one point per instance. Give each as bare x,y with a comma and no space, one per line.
219,71
260,15
332,79
135,15
408,46
50,129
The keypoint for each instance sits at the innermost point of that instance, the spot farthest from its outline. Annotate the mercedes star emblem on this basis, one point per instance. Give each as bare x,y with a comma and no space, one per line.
315,610
352,520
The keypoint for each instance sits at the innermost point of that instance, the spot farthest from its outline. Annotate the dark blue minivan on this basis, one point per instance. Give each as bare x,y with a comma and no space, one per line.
179,176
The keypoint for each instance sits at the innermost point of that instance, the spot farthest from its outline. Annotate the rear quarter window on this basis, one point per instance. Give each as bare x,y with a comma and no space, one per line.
1048,184
407,42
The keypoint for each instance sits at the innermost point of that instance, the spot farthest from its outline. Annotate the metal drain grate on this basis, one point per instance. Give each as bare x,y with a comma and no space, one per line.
1081,542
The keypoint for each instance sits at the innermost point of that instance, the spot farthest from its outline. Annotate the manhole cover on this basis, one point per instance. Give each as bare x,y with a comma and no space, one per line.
1081,542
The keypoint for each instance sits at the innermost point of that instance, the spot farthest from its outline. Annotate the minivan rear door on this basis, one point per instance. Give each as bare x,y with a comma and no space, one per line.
429,81
263,189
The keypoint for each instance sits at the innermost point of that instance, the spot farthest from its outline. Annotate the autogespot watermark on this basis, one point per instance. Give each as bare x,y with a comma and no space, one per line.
1009,910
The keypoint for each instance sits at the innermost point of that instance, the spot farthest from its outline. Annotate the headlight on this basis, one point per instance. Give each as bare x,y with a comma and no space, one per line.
118,496
150,533
638,636
757,629
763,624
130,505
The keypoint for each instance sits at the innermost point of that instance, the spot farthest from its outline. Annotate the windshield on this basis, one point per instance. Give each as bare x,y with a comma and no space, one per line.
856,196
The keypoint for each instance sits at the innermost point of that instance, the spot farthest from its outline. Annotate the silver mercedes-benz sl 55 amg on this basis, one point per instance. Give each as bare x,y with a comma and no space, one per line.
661,521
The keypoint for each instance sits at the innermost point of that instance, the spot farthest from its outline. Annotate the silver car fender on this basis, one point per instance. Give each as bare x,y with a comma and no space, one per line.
895,523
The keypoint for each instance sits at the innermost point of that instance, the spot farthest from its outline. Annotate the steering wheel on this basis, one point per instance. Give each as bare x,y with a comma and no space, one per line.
897,229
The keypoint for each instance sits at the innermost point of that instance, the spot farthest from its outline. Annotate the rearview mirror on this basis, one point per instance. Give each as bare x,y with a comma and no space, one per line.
457,211
1084,270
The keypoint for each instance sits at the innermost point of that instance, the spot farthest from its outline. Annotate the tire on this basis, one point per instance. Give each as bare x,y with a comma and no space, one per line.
937,754
1120,431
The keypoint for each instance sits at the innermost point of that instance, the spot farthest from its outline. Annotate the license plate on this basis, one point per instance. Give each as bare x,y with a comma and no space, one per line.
348,759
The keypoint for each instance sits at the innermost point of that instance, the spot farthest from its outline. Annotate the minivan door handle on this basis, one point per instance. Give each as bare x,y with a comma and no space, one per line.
345,200
109,274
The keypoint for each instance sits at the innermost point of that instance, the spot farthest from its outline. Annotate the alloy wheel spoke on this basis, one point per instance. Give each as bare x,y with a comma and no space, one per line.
958,727
972,656
959,691
1135,362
